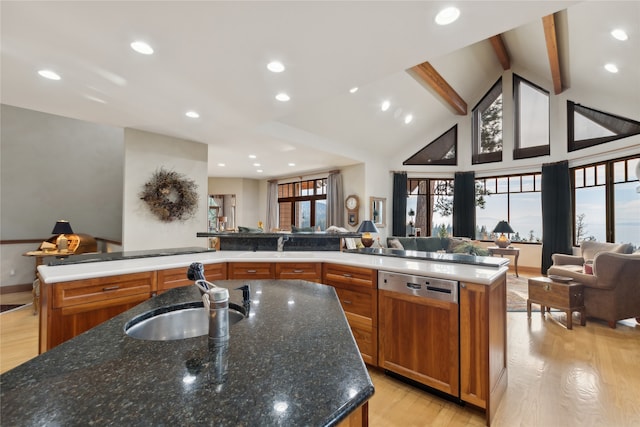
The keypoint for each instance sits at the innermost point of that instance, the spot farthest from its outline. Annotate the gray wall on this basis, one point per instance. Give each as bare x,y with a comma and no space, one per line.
52,168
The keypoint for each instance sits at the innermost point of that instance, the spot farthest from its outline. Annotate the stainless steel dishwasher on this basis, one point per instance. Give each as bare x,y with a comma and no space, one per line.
418,328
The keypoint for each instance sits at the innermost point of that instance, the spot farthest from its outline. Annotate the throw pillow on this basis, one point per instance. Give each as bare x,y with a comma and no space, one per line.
395,244
588,268
249,230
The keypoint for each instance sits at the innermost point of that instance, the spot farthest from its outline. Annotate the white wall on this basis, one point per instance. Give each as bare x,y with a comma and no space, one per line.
52,168
145,153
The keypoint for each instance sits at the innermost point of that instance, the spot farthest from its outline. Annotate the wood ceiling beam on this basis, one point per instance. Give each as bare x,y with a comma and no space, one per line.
433,79
551,38
497,42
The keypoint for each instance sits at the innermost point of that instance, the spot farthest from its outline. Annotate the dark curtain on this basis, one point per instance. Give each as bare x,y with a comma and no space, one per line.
464,205
556,212
399,203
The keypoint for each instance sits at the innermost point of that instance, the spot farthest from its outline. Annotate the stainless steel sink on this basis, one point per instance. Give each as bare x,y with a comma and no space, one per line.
176,322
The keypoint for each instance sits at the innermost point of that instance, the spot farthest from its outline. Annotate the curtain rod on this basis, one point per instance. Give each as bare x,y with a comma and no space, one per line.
304,176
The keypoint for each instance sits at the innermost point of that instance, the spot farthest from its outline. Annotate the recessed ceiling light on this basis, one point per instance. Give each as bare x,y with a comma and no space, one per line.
611,68
353,90
192,114
142,47
256,164
385,105
221,165
259,170
282,97
48,74
275,66
408,118
447,16
619,34
292,164
252,156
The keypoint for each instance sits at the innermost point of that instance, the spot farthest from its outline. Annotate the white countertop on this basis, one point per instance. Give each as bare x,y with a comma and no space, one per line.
444,270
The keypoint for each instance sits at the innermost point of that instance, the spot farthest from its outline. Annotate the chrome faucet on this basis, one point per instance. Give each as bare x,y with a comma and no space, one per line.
281,241
216,302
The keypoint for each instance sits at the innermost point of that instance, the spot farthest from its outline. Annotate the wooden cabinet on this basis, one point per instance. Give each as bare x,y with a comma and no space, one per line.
418,339
177,277
483,344
311,271
70,308
357,290
251,270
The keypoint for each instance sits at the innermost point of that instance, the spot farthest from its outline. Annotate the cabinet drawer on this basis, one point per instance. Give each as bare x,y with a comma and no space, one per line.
310,271
177,277
251,270
350,277
103,288
355,302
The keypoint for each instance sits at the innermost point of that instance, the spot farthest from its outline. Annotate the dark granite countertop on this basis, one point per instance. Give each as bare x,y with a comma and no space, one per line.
118,256
315,234
293,361
484,261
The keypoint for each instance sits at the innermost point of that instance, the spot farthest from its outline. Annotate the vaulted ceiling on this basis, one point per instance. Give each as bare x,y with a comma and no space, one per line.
211,57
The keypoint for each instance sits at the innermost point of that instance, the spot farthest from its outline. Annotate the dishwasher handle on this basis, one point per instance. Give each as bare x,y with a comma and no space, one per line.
416,286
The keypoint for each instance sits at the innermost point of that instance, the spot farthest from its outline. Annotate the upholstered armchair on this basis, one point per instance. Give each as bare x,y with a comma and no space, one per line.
612,292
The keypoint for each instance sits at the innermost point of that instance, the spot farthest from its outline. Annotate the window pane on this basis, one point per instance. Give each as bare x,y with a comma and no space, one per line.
601,175
526,217
533,116
514,183
321,215
590,214
527,183
495,211
491,185
284,217
303,214
631,169
503,185
619,171
590,176
538,182
627,206
585,128
491,127
579,178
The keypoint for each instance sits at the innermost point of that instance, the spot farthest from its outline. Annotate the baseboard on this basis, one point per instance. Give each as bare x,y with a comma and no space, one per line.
27,287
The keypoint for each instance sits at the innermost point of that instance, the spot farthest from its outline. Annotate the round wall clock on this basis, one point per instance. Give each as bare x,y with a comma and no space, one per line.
352,204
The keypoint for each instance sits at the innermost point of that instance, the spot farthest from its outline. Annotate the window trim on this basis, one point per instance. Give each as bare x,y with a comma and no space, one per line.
538,150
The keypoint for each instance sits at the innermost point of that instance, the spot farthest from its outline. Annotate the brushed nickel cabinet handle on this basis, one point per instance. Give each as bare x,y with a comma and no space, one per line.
251,271
110,288
346,275
346,301
298,271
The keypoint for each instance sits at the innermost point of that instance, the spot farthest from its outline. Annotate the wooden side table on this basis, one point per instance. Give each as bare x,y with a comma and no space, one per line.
568,297
514,252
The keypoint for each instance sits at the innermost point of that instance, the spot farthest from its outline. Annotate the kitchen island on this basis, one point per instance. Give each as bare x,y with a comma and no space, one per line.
77,297
292,361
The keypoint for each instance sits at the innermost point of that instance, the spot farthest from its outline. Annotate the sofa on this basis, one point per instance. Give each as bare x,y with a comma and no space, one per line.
611,278
461,245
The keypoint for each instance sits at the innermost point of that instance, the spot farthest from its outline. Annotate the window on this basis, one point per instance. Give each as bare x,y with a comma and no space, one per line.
431,200
440,151
514,198
531,119
303,204
606,203
487,127
587,127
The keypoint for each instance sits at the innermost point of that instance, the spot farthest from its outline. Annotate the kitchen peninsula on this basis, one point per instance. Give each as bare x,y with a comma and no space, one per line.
72,293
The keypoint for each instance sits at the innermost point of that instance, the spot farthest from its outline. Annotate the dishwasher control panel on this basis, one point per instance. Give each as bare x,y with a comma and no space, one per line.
420,286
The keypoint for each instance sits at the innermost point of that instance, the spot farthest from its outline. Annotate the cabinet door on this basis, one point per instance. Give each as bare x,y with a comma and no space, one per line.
483,344
311,271
251,270
177,277
99,289
418,339
357,289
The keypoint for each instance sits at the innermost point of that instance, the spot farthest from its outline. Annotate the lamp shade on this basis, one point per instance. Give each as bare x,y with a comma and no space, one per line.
503,227
62,227
367,227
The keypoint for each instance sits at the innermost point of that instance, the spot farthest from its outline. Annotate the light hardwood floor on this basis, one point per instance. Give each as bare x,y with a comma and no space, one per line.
589,376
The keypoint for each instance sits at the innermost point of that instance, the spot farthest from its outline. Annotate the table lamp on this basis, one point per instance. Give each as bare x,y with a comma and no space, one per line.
222,220
366,228
503,227
62,227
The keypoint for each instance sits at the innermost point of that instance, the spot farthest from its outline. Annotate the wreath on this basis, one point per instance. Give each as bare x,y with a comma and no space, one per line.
170,195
